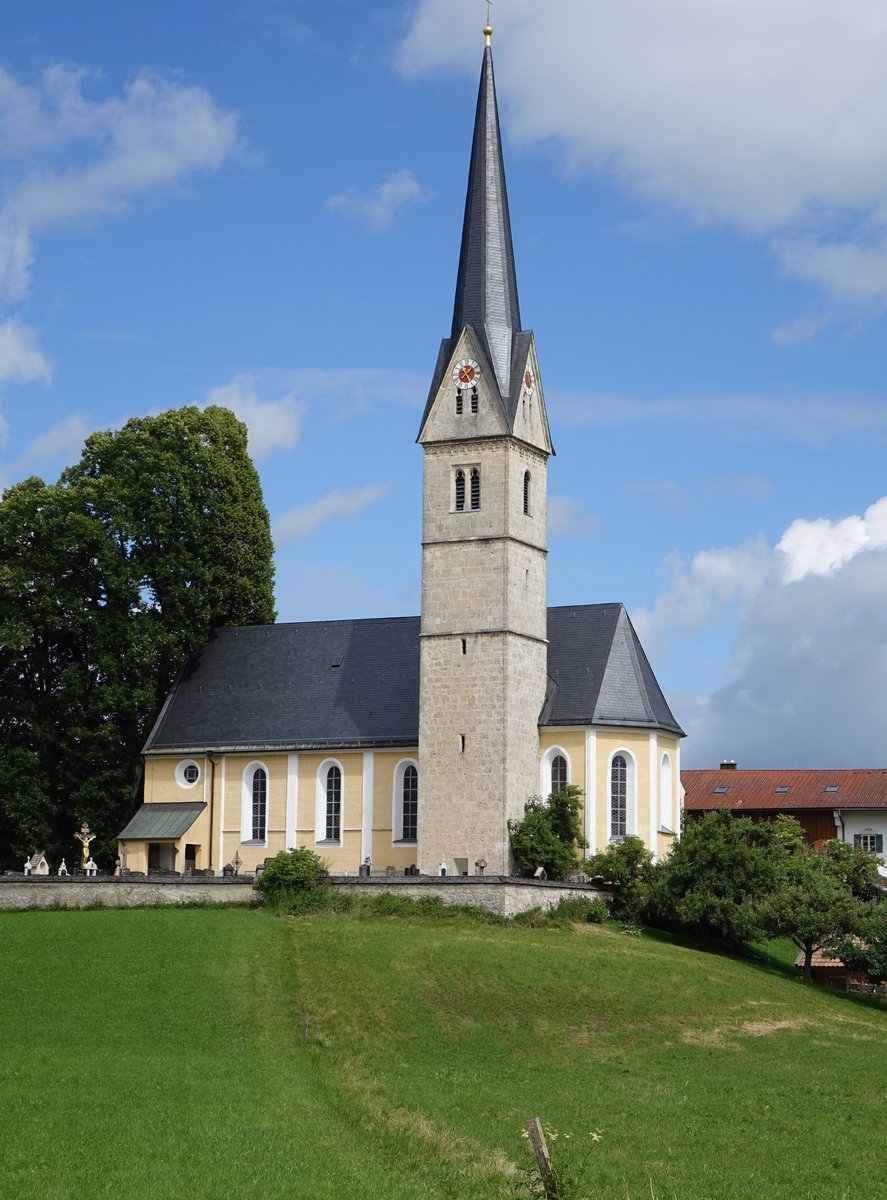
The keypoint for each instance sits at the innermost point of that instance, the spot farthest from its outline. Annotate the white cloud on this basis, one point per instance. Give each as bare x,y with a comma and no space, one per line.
768,117
68,156
819,547
21,359
567,518
272,424
809,661
299,522
50,451
378,208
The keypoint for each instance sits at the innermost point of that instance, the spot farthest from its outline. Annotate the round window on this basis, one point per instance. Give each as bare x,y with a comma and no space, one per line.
187,773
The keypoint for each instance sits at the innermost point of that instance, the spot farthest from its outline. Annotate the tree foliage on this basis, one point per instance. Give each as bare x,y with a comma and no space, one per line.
550,833
719,866
628,867
288,872
109,580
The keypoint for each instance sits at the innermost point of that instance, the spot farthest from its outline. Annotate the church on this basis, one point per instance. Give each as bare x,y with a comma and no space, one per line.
412,741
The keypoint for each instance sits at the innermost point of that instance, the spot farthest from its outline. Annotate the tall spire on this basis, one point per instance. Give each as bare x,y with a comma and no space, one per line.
486,285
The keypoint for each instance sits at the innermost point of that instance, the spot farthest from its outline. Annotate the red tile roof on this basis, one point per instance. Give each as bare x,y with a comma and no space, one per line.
753,790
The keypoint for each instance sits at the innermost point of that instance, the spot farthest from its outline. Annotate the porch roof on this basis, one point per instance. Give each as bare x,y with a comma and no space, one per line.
161,821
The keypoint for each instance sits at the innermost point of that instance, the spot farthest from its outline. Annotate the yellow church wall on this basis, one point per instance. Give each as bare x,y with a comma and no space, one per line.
344,857
230,771
162,786
384,853
572,742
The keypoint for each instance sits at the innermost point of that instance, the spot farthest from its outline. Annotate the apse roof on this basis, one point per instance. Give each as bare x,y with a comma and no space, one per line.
319,684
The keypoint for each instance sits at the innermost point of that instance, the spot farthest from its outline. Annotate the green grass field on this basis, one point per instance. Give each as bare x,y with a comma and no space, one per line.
160,1053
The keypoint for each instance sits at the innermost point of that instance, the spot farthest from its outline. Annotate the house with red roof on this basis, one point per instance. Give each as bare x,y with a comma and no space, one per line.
850,805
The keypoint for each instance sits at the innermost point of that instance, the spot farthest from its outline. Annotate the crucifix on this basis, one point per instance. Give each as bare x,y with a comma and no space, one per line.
84,837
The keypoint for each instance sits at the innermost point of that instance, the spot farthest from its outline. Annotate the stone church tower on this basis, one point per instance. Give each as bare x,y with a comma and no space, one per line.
483,651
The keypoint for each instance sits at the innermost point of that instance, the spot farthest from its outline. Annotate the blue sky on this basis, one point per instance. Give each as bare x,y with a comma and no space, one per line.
259,203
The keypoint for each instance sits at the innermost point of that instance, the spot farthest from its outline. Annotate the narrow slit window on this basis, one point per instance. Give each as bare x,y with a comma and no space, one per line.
462,742
526,493
464,646
460,491
475,488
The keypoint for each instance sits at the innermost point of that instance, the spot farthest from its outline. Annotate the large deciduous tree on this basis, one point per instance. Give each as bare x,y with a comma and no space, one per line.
109,579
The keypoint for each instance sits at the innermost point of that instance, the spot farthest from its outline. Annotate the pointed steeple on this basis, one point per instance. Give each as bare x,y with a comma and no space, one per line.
486,285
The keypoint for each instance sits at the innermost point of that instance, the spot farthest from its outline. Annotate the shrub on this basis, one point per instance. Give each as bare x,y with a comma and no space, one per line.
290,872
550,835
628,867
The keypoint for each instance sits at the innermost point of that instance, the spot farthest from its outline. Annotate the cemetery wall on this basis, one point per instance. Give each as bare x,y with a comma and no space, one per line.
496,894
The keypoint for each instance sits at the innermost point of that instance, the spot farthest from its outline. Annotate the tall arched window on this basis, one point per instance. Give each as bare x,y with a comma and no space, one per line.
526,493
460,491
558,773
555,773
260,804
475,487
618,796
665,794
410,803
333,804
254,803
405,801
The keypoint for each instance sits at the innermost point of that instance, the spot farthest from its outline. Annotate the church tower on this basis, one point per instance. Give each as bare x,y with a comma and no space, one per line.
485,437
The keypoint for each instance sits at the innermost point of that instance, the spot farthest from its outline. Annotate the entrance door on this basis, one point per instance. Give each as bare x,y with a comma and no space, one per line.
161,856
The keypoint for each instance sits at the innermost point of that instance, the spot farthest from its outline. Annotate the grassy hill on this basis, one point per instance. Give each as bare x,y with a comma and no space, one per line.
161,1054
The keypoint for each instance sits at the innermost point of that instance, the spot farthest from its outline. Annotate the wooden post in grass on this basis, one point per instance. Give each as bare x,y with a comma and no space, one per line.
543,1158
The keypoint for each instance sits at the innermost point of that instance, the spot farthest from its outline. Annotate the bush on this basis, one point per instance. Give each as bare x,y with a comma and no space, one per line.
289,873
627,866
550,835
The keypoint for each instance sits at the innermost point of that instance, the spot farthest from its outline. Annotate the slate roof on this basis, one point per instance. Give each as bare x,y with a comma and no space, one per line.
319,684
162,820
486,283
751,790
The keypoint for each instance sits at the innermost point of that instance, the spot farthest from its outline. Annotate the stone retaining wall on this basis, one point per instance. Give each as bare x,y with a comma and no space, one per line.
499,894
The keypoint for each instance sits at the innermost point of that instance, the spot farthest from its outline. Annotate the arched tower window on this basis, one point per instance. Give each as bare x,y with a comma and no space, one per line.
526,493
460,491
475,488
333,830
618,796
474,400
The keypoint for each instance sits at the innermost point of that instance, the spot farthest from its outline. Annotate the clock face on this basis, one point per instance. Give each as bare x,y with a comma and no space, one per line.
466,373
529,381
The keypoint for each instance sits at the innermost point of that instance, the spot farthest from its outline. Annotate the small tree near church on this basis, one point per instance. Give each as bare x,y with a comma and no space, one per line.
550,834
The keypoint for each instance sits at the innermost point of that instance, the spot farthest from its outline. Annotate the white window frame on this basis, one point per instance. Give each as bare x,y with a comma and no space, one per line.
547,759
397,838
182,767
320,838
631,776
666,794
246,803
